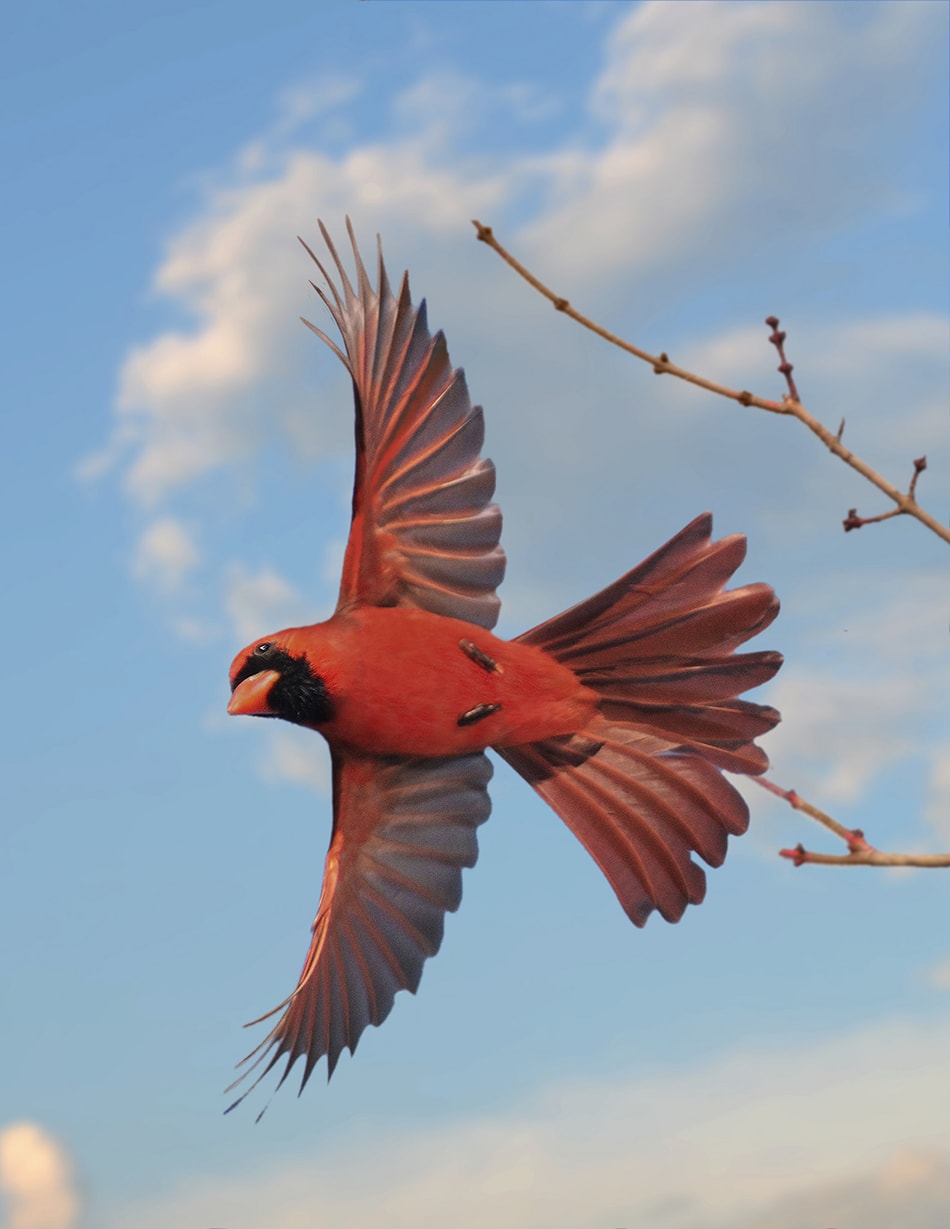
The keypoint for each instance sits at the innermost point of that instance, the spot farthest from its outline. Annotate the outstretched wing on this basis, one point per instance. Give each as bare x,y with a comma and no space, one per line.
424,532
402,831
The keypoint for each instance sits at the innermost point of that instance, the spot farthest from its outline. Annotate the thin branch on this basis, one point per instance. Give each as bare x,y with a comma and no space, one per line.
785,367
853,838
853,521
860,851
790,405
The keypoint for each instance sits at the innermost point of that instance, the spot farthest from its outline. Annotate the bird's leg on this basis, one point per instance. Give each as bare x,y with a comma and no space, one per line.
479,657
478,713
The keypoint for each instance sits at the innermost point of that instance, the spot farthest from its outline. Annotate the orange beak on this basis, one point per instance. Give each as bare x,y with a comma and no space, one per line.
249,698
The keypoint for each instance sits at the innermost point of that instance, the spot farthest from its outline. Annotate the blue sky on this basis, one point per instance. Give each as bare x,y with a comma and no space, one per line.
176,478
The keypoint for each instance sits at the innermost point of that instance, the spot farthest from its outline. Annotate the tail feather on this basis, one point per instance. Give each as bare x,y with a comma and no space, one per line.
658,646
685,680
641,787
721,624
721,733
639,811
675,579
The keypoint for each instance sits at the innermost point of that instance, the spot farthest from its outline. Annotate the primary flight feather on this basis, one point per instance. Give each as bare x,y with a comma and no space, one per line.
621,712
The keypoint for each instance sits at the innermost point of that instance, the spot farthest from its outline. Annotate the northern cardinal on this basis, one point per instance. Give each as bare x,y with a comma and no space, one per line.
620,712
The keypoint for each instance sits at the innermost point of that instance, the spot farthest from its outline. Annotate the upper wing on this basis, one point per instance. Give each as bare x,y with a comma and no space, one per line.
402,831
424,532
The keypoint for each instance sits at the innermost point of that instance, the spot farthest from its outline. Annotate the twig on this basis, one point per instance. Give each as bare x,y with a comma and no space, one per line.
790,405
860,851
785,367
853,521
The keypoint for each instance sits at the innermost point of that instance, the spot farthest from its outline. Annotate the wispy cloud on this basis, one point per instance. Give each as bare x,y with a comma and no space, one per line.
36,1179
940,975
192,400
910,1189
692,97
297,756
261,602
874,692
165,554
938,802
746,1140
681,135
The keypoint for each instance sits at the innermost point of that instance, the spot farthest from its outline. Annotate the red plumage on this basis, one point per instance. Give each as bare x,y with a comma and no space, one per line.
620,712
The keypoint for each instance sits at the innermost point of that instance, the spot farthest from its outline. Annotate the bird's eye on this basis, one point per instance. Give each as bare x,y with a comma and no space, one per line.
263,649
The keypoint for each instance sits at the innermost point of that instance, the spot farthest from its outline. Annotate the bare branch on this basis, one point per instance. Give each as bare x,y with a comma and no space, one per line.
860,851
906,501
853,521
785,367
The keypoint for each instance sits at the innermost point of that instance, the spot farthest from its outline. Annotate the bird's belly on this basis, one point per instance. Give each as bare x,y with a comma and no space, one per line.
415,690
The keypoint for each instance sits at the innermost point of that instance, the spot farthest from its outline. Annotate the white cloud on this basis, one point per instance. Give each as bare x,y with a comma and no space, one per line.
940,975
195,631
744,1140
938,803
911,1190
840,732
864,687
864,363
165,554
36,1180
863,692
262,602
297,756
308,99
684,134
190,401
692,97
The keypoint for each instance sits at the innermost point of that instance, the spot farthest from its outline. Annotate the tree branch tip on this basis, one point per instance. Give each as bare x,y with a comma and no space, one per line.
796,856
777,338
920,464
790,403
857,843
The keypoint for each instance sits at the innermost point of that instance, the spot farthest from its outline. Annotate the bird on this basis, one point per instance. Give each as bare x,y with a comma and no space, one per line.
621,713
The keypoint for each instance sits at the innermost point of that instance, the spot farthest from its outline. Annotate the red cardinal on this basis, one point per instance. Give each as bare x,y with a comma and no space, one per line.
621,712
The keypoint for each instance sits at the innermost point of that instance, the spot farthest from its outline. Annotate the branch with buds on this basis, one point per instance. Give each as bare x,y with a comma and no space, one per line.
790,404
860,852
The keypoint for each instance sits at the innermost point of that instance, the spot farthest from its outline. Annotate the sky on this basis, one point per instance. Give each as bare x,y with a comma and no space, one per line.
176,477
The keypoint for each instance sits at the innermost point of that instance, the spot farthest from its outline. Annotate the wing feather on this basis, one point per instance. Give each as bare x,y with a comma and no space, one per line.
640,808
424,532
403,831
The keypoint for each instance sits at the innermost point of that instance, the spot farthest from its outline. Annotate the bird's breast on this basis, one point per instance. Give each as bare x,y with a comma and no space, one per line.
407,682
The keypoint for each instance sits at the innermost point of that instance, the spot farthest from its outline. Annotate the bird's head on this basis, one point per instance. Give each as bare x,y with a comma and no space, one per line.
273,678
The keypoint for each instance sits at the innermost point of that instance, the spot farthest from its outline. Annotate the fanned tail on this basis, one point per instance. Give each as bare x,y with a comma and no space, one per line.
641,787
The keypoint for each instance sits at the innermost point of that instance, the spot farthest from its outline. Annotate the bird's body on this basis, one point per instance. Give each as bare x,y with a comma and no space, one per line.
621,712
404,686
